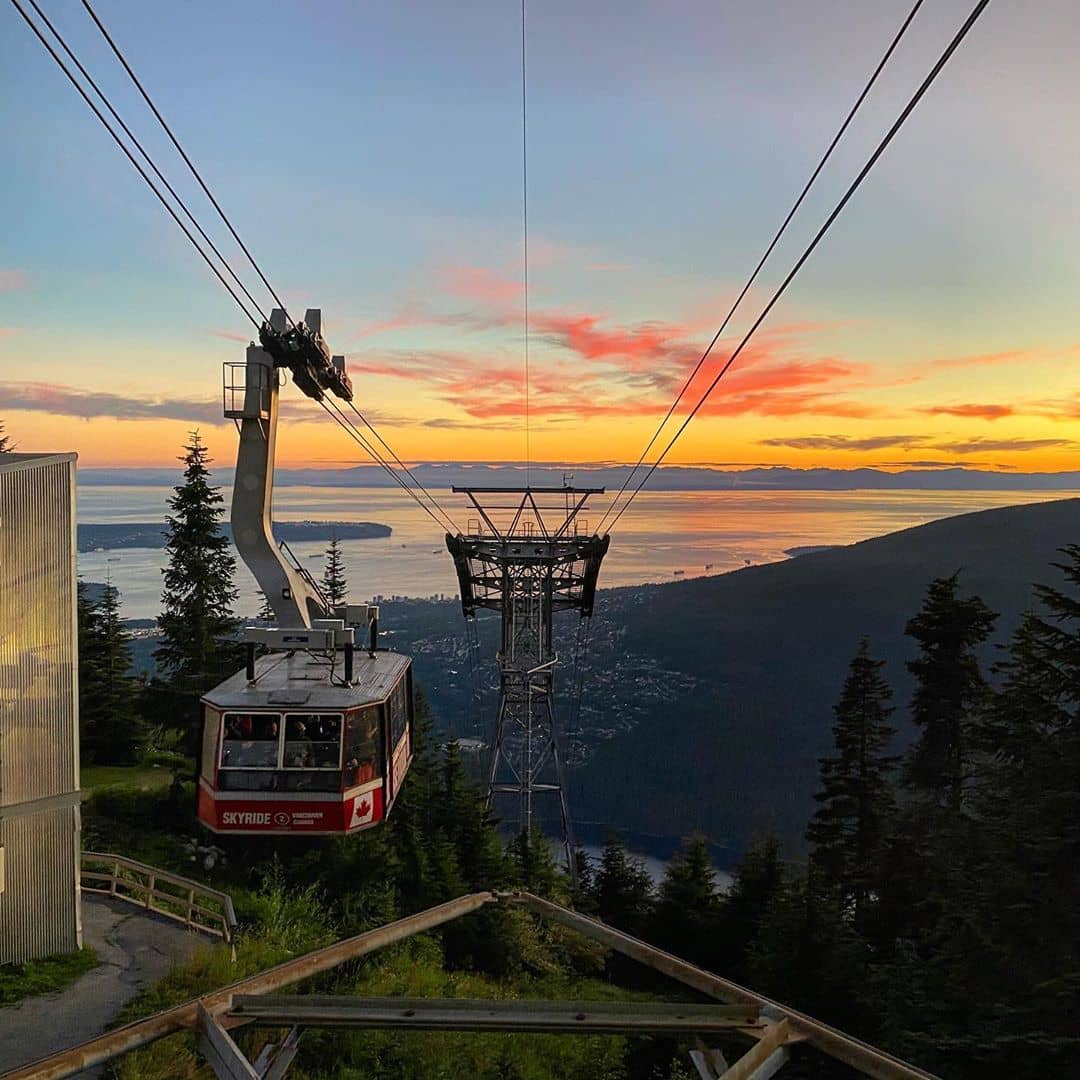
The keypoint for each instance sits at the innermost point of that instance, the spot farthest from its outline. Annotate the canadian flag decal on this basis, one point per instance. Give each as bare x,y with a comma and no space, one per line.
363,810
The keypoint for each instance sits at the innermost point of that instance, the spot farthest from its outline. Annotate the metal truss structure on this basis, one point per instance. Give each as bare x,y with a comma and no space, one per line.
528,554
772,1030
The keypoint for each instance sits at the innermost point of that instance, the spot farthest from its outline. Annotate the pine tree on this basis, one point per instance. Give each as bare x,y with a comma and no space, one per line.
533,865
5,441
848,830
1025,913
91,693
950,690
1059,635
758,879
687,911
196,622
265,612
807,953
111,725
623,890
334,586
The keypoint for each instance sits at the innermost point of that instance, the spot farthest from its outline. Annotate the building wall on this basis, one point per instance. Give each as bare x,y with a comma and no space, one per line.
39,749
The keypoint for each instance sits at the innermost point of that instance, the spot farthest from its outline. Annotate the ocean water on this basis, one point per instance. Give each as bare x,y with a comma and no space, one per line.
696,533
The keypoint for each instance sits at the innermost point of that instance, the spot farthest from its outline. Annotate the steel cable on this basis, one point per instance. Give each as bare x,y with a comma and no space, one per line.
131,157
881,147
768,251
187,161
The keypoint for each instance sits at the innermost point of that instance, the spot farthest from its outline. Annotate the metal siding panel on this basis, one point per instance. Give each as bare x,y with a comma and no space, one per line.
38,692
39,906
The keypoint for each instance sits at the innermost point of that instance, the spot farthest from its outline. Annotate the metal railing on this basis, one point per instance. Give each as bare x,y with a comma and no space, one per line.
189,902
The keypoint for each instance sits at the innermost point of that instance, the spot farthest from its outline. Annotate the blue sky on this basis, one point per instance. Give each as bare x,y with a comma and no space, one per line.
370,156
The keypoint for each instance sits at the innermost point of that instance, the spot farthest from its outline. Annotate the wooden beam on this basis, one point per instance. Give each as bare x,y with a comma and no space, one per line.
464,1014
773,1037
837,1044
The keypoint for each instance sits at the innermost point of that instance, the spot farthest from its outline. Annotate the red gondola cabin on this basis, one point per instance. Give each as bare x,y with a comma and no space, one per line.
296,751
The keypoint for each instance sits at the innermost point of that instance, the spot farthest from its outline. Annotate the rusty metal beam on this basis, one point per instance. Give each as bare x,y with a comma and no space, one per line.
221,1053
185,1016
859,1055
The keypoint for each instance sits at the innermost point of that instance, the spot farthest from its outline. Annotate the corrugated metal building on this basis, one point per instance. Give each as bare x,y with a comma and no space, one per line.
39,723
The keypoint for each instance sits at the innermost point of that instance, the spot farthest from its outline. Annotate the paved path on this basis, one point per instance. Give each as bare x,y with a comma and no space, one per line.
134,948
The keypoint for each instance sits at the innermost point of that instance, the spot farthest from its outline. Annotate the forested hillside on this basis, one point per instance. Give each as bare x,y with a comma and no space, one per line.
766,649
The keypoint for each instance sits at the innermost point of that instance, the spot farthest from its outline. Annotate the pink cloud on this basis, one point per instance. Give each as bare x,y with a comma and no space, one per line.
232,335
12,279
479,283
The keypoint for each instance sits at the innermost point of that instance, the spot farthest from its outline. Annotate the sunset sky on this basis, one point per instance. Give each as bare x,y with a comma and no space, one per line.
369,154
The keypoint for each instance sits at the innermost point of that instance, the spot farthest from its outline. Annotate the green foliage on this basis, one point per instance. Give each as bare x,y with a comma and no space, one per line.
686,916
111,728
334,585
847,834
758,880
44,976
196,620
622,890
950,690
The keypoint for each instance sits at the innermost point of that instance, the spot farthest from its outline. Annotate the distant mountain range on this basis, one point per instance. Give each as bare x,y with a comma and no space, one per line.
765,651
441,476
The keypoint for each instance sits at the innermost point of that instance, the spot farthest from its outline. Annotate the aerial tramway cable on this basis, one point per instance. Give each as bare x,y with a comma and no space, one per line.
405,468
768,251
347,425
187,160
333,410
525,241
146,157
131,157
871,161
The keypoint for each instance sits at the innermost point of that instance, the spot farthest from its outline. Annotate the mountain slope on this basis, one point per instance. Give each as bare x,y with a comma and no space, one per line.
769,646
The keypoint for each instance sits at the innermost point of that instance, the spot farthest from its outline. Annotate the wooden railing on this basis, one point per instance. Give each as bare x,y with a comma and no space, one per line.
189,902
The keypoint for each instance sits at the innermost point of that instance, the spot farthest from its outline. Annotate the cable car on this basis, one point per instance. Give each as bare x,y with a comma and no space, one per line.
315,736
289,750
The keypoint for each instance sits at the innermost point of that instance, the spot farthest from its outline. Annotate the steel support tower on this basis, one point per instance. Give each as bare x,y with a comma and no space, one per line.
529,555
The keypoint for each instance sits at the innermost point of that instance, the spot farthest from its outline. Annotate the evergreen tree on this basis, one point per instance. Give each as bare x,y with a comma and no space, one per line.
1058,634
334,586
623,890
265,612
757,881
5,441
848,830
1025,918
808,954
686,915
111,725
533,865
950,691
196,622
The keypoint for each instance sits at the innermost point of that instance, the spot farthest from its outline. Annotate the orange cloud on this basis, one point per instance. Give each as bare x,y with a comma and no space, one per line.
980,412
1009,356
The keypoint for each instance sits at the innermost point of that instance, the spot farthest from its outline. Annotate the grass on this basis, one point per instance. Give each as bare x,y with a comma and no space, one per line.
44,976
134,777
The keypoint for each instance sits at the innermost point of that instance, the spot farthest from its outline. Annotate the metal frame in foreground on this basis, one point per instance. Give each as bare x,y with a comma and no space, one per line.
771,1026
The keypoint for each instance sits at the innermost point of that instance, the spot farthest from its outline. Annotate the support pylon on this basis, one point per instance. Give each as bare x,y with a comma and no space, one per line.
529,556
